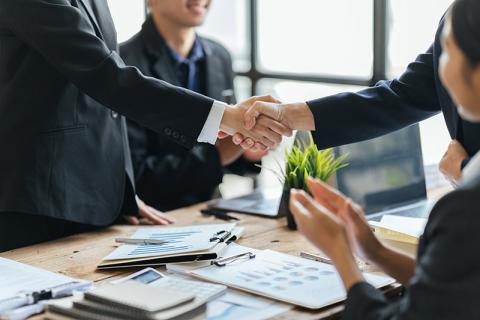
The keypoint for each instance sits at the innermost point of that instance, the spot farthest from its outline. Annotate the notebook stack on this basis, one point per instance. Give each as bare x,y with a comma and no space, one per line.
130,301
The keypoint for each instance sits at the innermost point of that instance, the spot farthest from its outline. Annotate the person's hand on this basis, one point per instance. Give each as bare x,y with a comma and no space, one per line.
451,164
228,151
296,116
361,237
320,226
254,156
149,215
326,231
267,133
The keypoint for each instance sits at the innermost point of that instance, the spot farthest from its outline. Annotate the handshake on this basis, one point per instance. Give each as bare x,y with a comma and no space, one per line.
259,123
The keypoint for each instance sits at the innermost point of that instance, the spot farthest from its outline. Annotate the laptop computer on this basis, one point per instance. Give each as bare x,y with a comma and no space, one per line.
385,176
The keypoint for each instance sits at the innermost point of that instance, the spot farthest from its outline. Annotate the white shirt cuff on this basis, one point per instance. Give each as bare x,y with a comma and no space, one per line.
209,133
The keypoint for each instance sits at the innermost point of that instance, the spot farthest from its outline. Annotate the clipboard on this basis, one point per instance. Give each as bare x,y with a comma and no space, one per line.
184,257
278,276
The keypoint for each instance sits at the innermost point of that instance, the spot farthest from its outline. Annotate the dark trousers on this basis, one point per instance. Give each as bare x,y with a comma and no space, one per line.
20,229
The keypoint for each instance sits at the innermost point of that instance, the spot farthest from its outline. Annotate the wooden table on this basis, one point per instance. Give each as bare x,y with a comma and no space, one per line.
77,256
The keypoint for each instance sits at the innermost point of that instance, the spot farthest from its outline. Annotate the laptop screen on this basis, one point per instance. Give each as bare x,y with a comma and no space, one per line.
384,172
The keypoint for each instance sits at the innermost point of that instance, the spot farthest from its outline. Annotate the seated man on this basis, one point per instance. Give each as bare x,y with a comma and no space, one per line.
167,175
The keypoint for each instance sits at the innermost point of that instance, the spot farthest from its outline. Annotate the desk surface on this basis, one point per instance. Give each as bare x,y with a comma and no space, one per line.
77,256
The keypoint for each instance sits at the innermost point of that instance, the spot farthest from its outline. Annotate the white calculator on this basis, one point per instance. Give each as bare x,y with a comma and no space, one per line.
202,290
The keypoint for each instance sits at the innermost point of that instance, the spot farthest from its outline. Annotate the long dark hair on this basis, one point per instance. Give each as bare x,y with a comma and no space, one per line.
465,18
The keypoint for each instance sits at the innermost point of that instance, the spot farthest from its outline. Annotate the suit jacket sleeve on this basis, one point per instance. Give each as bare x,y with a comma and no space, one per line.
390,105
65,38
445,283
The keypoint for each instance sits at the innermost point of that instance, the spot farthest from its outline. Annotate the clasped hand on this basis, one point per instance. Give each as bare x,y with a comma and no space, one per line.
264,134
265,120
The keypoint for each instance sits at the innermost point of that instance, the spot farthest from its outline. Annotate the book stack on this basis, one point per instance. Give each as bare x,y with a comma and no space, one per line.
402,233
130,301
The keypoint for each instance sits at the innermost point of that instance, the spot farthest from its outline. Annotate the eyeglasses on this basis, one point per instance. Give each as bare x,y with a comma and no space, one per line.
222,262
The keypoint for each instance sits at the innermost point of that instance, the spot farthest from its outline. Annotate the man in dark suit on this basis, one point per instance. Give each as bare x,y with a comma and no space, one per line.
167,47
65,164
391,105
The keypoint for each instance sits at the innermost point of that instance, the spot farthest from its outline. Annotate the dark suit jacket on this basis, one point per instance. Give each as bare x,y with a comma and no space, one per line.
447,276
168,176
391,105
62,150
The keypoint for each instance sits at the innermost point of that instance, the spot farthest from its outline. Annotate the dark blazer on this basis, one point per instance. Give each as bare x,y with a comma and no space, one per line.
61,85
447,276
391,105
168,176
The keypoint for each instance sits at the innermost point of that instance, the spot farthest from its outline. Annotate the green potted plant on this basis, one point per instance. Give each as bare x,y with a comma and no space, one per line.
303,161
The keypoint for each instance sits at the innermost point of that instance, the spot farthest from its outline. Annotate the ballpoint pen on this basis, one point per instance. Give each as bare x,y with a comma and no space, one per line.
140,241
218,214
315,257
361,264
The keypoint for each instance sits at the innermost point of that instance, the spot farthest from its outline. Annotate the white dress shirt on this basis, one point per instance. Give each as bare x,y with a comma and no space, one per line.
211,127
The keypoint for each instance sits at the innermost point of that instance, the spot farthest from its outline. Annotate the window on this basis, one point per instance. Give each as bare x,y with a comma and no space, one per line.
128,17
310,48
413,26
331,38
227,23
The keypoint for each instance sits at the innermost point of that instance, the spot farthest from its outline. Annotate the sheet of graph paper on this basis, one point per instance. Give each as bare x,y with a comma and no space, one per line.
178,240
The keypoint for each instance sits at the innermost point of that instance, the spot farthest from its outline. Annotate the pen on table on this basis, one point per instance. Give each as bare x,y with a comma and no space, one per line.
218,214
315,257
310,256
140,241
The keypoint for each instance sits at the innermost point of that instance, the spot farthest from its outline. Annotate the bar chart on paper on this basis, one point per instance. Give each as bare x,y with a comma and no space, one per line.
177,240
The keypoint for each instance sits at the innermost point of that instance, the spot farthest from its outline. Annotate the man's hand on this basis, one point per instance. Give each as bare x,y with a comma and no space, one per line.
451,164
267,133
149,216
254,156
296,116
228,151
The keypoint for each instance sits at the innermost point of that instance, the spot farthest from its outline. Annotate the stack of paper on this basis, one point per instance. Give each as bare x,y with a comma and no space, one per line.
182,244
400,232
130,301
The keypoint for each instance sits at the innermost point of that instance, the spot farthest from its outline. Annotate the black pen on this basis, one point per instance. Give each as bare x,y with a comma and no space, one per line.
218,214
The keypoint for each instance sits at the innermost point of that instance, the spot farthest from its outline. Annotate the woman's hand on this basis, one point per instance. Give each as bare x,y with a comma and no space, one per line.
318,224
326,231
335,210
451,164
365,244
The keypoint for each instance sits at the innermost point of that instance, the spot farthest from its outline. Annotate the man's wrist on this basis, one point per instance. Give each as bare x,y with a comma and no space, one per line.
298,116
227,124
